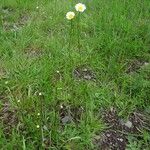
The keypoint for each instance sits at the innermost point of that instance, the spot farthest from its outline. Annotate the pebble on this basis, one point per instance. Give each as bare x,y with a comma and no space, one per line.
120,139
146,63
85,69
88,77
66,119
108,135
128,124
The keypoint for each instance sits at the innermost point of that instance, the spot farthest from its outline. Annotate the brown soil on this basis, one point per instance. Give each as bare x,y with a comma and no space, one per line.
135,65
32,51
115,137
13,26
70,114
7,116
84,72
2,73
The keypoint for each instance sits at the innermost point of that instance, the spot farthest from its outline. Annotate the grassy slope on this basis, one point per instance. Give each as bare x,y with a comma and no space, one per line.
113,34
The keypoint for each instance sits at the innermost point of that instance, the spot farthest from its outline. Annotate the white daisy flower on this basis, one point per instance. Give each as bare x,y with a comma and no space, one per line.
80,7
70,15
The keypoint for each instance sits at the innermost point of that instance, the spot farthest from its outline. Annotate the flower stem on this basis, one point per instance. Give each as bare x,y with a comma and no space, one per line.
70,40
79,34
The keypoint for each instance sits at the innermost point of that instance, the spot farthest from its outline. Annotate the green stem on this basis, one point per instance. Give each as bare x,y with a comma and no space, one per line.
42,115
79,34
70,40
55,125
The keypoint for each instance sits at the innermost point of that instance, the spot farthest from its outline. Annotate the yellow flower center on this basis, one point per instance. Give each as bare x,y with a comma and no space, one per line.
71,16
80,8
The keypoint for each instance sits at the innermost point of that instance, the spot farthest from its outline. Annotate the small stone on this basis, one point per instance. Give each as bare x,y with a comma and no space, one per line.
108,135
66,119
85,69
88,77
120,139
146,63
128,124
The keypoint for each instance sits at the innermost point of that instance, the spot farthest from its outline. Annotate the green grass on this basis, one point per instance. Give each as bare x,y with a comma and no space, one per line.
34,46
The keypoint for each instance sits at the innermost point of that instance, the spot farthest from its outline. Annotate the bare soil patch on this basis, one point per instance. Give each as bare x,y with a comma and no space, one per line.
69,113
8,116
135,65
84,72
116,136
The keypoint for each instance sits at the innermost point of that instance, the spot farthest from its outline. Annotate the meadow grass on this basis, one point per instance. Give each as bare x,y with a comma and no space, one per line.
46,99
